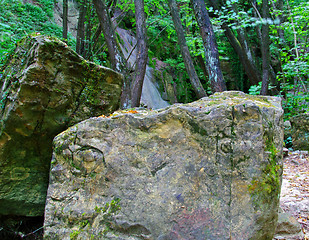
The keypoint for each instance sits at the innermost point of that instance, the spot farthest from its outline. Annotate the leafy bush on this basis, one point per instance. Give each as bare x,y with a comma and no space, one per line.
256,89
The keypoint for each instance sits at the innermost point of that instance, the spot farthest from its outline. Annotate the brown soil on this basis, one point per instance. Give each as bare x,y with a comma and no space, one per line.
295,188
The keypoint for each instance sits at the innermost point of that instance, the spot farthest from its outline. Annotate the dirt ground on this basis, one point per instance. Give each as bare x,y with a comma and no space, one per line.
295,188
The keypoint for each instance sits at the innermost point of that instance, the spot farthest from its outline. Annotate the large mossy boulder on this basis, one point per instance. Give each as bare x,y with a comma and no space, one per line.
46,87
210,169
300,131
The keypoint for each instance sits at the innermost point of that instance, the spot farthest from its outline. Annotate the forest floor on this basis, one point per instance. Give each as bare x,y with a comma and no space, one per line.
295,188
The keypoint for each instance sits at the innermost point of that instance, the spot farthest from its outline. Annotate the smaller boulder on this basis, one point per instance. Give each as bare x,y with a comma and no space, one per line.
300,131
288,228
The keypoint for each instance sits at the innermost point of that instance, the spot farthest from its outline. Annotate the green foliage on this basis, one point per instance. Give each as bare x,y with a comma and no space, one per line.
74,235
256,89
109,209
295,102
47,6
162,37
288,142
18,19
293,54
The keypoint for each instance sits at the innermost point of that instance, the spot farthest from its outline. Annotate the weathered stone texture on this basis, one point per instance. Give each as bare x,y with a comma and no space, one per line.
300,131
46,87
288,228
210,169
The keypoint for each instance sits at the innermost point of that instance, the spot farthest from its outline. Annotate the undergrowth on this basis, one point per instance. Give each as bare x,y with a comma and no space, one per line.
18,19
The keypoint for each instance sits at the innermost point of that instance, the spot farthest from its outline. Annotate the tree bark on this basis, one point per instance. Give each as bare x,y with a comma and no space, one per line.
265,48
117,59
196,84
210,46
142,53
65,20
201,63
88,31
109,33
249,66
80,36
279,7
243,39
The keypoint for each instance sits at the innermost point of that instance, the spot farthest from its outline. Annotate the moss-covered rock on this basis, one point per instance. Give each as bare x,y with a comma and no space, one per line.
210,169
46,87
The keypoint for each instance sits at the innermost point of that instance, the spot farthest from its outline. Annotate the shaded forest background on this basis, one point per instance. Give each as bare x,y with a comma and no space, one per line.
263,45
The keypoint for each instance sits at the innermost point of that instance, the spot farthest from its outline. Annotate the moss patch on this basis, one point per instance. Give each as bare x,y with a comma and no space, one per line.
266,187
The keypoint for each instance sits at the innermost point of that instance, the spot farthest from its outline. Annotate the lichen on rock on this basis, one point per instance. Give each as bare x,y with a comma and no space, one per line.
182,172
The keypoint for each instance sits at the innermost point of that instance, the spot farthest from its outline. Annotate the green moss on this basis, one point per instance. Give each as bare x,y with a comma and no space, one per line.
211,103
74,235
240,98
267,187
90,79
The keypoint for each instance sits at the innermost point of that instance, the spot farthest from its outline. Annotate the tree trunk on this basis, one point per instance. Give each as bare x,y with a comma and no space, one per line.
89,26
250,68
210,46
65,20
95,38
142,52
279,6
202,65
257,15
243,39
197,85
117,59
265,48
108,32
80,36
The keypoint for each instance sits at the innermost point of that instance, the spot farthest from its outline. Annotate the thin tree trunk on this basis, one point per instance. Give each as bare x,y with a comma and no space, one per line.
109,33
95,37
142,53
297,79
257,14
249,67
272,74
279,7
243,39
197,85
65,20
265,48
202,65
80,36
210,46
89,25
118,62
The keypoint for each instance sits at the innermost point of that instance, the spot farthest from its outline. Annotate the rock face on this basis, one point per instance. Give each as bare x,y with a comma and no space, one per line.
210,169
300,131
46,87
